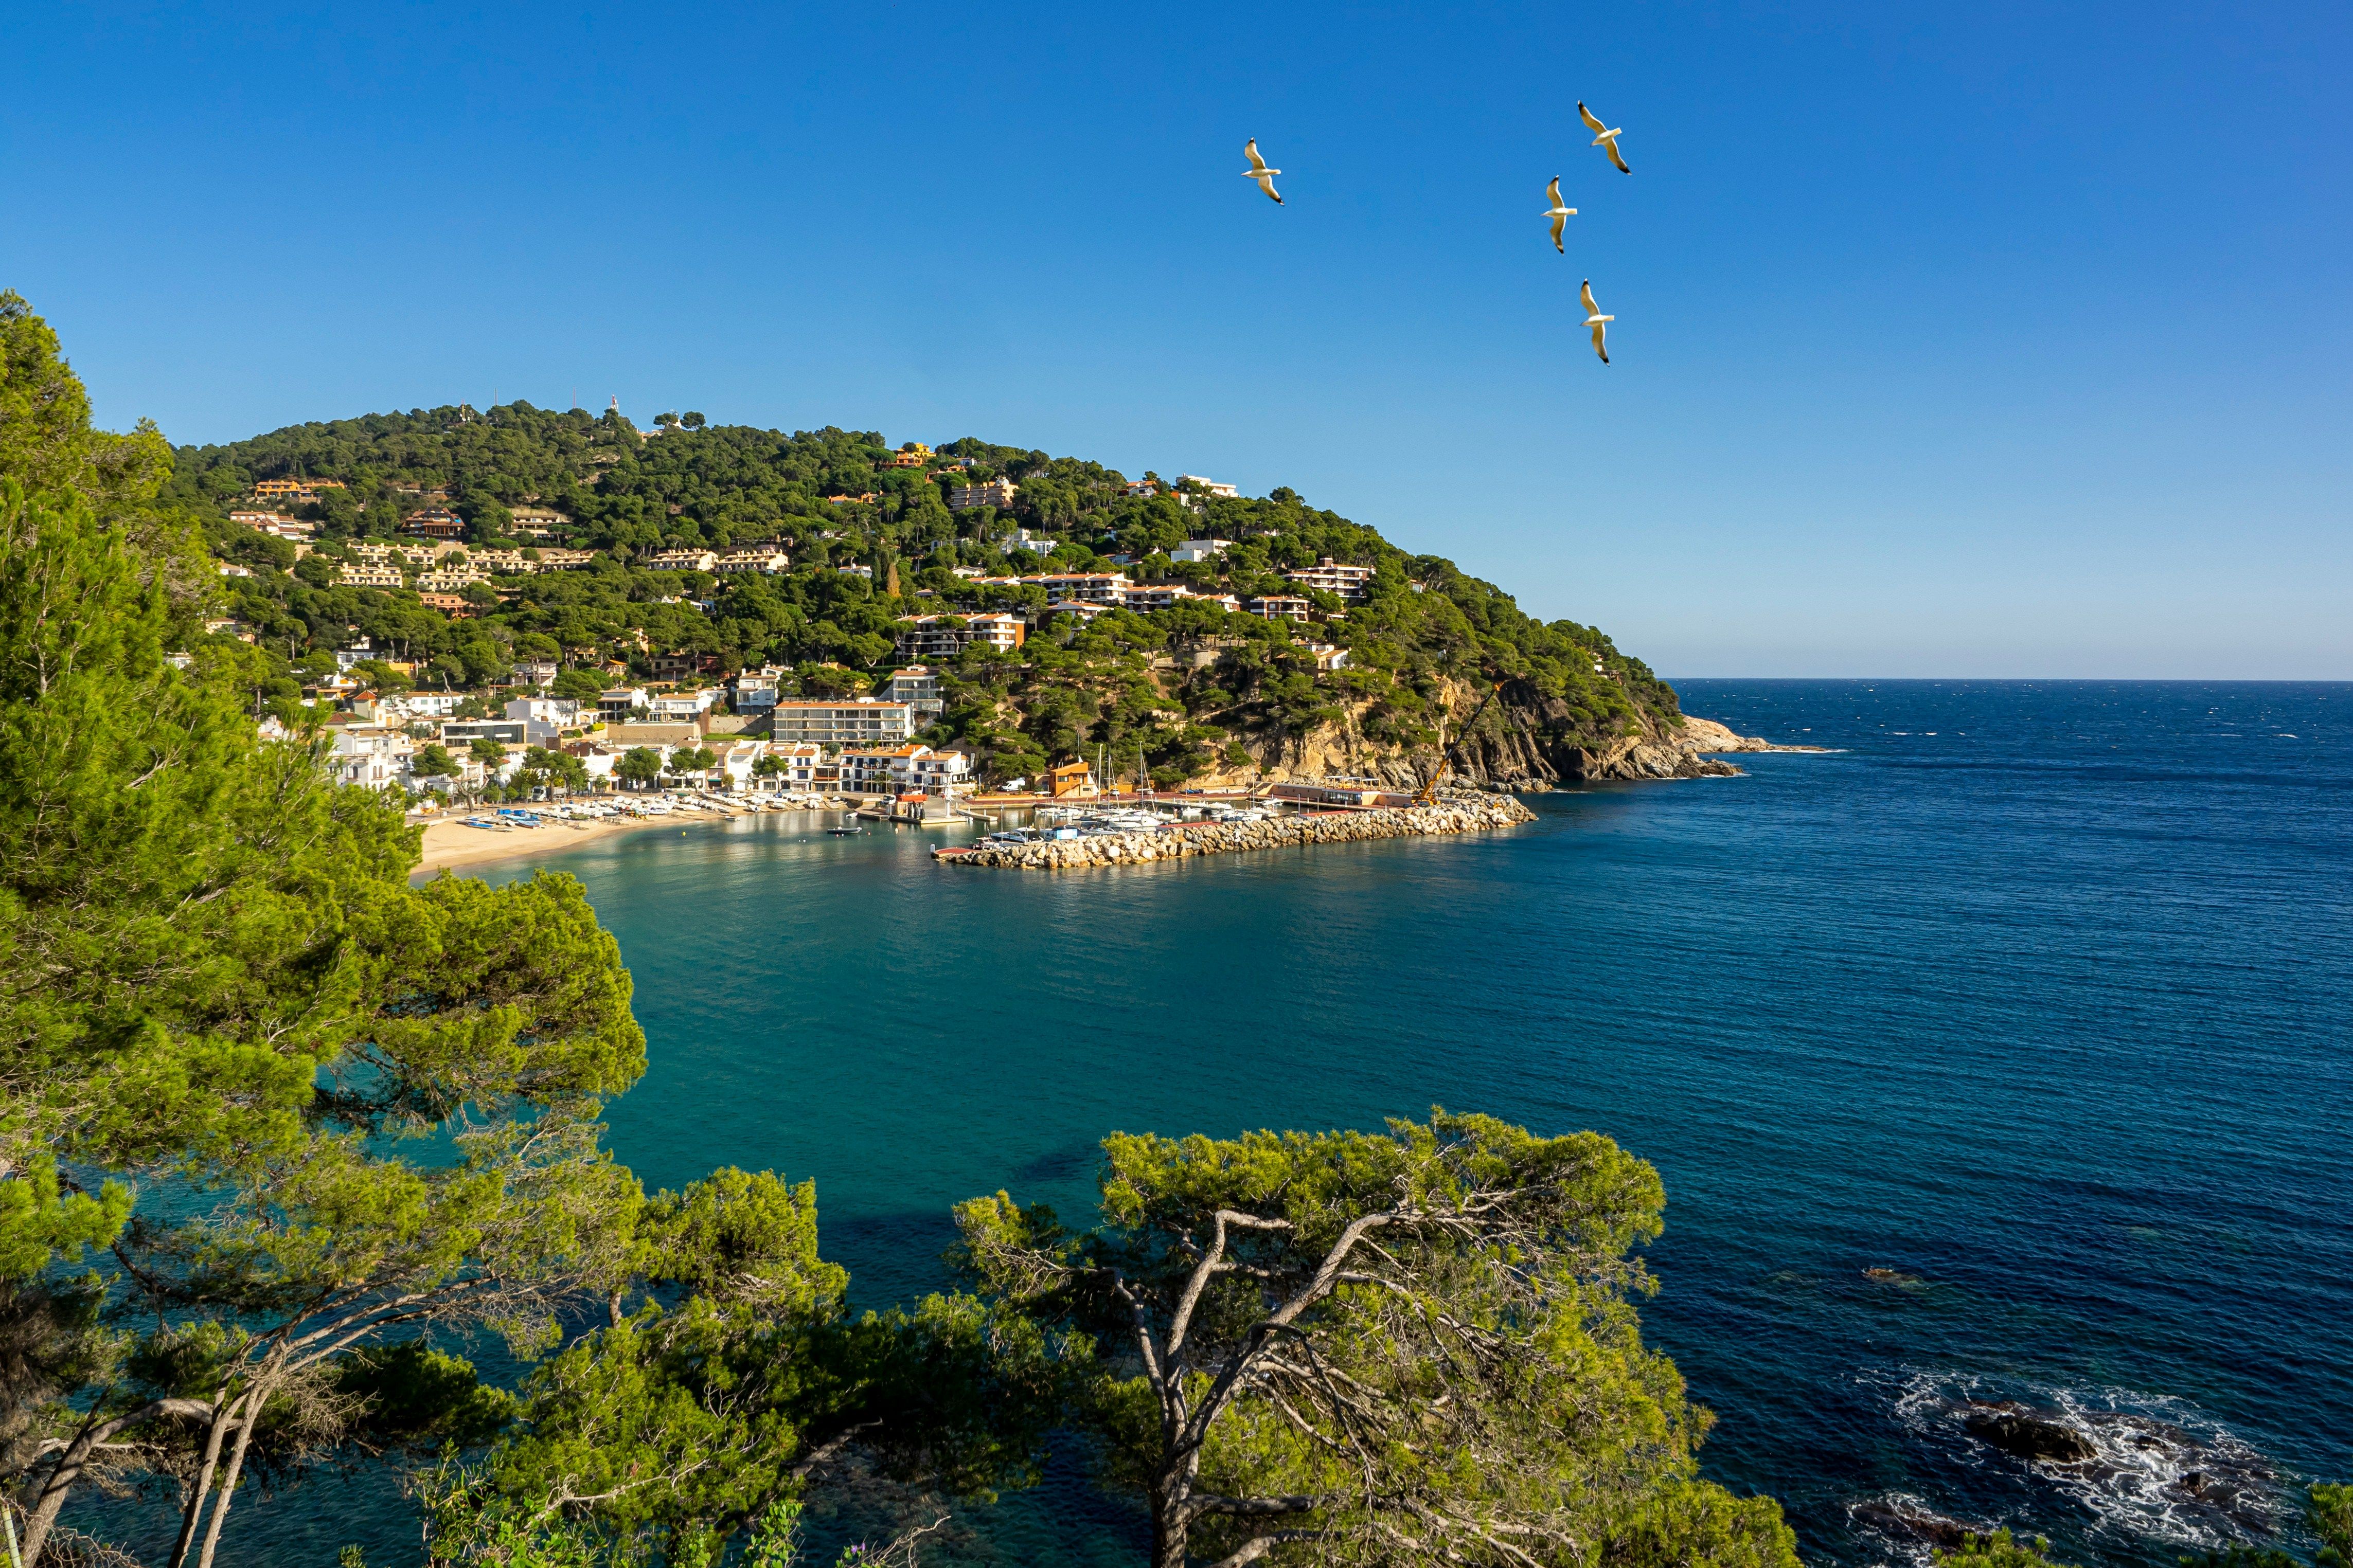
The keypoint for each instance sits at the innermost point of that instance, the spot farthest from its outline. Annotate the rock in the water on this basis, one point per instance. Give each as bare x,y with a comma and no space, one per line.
2026,1434
1906,1521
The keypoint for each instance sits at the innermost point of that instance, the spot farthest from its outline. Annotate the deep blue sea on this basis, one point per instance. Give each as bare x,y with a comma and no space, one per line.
2035,997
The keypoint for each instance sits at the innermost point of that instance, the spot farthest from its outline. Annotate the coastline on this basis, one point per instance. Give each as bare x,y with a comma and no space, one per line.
451,846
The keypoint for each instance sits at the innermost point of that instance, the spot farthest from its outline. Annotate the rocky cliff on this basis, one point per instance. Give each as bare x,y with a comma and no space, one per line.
1521,741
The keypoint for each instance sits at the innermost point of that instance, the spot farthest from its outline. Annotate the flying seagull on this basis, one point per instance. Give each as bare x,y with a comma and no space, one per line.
1259,170
1595,319
1604,137
1558,214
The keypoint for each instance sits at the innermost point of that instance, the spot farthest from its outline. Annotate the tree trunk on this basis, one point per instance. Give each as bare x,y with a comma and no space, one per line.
51,1498
1170,1526
255,1398
223,1413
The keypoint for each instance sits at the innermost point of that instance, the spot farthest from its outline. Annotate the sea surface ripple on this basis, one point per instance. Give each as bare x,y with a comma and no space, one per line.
2033,997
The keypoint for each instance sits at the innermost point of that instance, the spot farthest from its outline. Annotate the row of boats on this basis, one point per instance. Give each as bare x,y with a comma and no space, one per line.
508,819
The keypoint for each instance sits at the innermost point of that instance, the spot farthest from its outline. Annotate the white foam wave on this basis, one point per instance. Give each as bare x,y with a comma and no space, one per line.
2159,1468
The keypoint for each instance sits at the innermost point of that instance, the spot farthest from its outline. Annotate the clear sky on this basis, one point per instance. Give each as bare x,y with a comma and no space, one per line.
1961,340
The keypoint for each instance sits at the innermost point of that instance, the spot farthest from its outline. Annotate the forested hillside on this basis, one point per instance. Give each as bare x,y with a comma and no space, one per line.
1179,693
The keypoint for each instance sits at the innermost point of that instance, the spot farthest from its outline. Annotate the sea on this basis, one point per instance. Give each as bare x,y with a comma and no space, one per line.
1997,1051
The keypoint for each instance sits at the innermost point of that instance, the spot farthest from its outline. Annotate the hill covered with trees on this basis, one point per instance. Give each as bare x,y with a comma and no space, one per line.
1190,691
285,1139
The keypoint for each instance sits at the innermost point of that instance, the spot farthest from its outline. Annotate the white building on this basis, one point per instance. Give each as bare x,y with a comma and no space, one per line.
371,756
854,721
416,707
359,574
1278,607
682,561
807,768
617,705
1333,577
1209,487
544,719
1145,597
754,692
737,758
772,562
361,649
682,707
918,685
997,493
1086,587
897,770
1201,549
927,637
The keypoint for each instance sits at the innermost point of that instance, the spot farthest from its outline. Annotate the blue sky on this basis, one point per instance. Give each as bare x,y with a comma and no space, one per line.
1977,340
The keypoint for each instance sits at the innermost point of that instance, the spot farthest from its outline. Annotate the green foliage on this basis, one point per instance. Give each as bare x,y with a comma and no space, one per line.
215,981
2329,1510
1304,1339
1999,1549
685,1421
1423,635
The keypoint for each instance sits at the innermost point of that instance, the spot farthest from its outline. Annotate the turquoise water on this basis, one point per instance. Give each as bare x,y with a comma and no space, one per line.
2037,995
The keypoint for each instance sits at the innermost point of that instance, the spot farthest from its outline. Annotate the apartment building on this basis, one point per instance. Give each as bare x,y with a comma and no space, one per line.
1333,577
848,722
1086,587
775,563
926,638
918,685
1278,607
997,493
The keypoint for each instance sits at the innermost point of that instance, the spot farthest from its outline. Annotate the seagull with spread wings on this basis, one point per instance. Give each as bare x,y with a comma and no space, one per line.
1605,137
1558,214
1259,170
1596,320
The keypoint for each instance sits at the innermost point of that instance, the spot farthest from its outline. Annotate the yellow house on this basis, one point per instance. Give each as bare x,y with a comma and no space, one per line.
914,455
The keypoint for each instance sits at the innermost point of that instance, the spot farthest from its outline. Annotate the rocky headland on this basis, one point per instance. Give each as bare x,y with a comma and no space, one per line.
1520,742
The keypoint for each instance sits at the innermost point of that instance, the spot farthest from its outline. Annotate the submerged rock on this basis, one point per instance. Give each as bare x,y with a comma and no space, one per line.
1904,1519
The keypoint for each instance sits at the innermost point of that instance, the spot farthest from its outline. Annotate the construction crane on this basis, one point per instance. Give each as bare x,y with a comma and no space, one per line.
1427,795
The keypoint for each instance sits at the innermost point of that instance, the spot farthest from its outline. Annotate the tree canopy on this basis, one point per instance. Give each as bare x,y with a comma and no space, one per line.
1416,1345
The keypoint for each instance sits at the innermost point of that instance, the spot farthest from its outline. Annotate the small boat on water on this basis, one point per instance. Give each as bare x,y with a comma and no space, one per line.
846,830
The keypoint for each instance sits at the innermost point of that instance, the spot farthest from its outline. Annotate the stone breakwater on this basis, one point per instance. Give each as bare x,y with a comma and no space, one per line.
1227,838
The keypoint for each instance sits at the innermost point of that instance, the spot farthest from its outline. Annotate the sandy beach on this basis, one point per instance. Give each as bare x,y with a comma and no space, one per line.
451,846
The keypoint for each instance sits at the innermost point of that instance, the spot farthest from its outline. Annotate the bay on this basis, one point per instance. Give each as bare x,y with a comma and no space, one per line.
2034,997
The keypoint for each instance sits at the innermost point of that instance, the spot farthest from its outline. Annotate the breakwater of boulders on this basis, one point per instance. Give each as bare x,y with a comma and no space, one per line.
1181,839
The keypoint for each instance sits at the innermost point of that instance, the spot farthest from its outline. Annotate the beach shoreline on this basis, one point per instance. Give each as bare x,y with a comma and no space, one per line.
451,846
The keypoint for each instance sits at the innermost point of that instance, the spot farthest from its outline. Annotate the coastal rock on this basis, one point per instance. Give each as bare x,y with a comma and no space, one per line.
2024,1434
1902,1519
1176,842
1523,741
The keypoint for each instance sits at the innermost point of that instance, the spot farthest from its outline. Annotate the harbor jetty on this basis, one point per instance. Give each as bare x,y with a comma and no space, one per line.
1179,839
